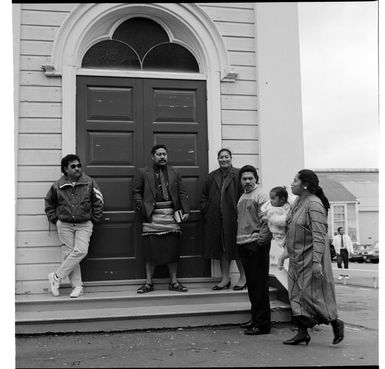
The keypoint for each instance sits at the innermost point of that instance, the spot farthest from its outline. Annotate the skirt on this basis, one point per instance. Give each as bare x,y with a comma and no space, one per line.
161,249
161,237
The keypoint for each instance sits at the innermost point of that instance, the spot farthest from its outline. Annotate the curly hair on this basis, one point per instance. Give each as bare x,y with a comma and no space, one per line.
249,168
156,147
68,159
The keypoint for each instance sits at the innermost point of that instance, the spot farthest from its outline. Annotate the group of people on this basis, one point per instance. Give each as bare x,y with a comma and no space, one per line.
240,223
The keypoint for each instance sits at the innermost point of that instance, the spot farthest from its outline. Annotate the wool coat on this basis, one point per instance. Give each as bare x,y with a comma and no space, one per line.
219,213
307,242
144,192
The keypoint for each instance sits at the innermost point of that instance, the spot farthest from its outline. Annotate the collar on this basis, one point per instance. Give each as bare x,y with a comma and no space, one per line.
64,181
157,167
225,170
253,189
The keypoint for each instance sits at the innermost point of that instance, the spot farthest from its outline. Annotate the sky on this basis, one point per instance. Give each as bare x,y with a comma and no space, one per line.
339,72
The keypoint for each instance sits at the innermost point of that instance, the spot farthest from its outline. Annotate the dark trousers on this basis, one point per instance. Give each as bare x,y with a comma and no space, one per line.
256,261
343,257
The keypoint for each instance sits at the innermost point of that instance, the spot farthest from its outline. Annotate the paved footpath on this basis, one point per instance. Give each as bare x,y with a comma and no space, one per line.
224,346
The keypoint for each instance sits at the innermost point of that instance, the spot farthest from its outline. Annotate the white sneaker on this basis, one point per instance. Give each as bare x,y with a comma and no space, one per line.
347,276
339,277
76,292
53,284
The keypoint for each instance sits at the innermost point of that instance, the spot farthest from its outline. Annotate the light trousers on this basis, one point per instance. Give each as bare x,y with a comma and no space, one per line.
75,238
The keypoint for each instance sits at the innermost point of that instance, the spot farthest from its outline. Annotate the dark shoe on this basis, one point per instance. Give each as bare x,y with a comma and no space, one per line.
177,287
255,331
338,330
217,288
298,338
238,288
147,287
247,325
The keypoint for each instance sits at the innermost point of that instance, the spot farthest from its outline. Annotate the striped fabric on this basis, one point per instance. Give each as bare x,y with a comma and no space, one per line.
99,195
306,242
162,221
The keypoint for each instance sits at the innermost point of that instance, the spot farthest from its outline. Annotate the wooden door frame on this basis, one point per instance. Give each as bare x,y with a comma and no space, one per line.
213,105
215,270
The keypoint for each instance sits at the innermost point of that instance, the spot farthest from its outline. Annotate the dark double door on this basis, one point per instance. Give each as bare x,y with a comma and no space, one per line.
118,121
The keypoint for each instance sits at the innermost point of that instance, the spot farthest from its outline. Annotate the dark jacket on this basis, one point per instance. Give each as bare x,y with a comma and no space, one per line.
217,223
144,192
74,203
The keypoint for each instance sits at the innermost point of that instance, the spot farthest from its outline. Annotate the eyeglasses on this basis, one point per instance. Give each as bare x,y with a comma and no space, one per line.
73,166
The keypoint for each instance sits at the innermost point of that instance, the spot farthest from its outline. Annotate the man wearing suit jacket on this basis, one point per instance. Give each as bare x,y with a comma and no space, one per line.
343,245
162,204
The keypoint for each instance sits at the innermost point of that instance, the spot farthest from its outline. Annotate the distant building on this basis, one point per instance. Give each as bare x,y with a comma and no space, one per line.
353,195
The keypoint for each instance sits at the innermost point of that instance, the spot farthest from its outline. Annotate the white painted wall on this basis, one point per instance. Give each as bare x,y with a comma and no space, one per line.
369,226
262,45
279,93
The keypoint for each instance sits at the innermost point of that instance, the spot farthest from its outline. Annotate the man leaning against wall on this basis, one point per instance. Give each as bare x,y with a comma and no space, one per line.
74,203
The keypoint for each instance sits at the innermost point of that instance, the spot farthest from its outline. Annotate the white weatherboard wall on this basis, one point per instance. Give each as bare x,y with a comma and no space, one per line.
236,24
252,112
38,143
279,93
40,125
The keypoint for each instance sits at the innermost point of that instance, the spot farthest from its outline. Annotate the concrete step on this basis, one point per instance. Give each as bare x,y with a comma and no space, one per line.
132,318
120,307
130,298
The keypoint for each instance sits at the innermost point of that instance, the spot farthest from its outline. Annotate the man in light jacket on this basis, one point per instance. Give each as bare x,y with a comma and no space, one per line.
343,246
74,203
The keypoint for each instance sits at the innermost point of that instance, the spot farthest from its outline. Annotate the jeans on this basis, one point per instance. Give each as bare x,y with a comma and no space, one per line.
76,239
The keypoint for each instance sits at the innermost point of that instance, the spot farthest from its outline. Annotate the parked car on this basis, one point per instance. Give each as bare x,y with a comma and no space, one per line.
372,253
357,255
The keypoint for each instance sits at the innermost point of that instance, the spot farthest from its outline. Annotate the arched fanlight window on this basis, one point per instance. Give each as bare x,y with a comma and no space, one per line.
140,44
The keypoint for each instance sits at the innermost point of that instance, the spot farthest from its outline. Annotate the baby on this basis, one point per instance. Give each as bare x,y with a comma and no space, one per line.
274,212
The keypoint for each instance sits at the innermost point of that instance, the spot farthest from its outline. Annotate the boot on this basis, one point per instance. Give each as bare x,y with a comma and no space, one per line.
338,330
301,336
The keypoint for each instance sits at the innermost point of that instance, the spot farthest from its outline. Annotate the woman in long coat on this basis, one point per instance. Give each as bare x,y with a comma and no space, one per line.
220,195
311,283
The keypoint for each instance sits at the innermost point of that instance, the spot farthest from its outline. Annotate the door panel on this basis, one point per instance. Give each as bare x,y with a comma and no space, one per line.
109,142
118,121
176,117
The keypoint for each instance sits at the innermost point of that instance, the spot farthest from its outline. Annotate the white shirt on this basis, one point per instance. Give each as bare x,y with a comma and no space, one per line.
347,243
